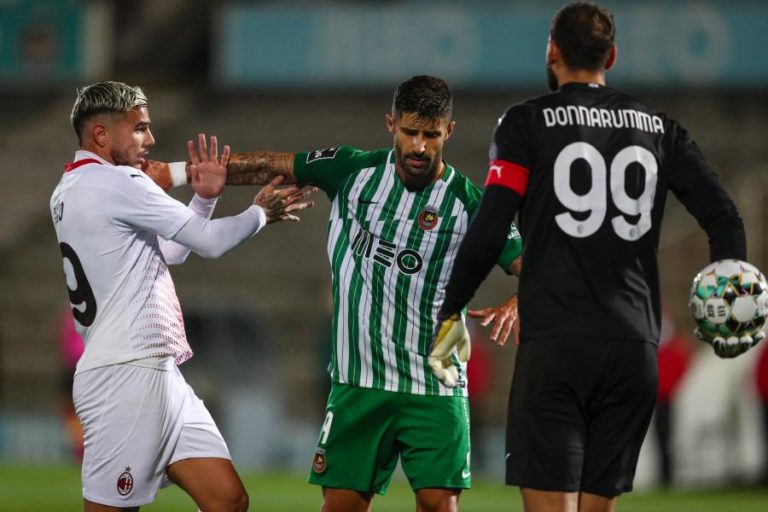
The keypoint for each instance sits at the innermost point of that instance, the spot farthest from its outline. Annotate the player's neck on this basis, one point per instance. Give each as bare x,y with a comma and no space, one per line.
98,151
414,183
581,76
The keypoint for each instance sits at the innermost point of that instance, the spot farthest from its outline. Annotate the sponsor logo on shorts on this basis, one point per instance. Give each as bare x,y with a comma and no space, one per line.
322,154
319,463
125,482
428,218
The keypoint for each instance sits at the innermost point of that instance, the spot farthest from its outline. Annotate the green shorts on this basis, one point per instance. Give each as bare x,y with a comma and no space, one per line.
366,430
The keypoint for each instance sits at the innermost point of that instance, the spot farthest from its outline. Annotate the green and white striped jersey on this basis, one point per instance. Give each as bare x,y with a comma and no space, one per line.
391,252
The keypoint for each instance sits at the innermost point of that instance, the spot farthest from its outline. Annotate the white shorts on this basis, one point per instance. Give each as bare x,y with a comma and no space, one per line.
137,421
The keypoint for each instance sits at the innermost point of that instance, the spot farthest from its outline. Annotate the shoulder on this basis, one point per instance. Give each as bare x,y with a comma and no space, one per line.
130,179
465,189
525,110
341,154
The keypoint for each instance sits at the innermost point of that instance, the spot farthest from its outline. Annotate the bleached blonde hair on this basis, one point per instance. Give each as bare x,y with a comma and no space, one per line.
104,97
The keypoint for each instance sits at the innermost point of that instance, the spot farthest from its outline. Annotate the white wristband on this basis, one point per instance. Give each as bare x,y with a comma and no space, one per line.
178,173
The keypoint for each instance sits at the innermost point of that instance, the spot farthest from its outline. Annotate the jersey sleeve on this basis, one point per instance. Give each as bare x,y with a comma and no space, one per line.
329,168
513,246
512,249
142,204
694,180
696,184
510,154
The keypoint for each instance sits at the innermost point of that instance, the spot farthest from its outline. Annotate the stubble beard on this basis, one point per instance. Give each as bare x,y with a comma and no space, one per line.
428,172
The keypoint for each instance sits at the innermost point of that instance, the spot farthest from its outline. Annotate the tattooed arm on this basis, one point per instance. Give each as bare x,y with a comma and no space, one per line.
259,168
254,168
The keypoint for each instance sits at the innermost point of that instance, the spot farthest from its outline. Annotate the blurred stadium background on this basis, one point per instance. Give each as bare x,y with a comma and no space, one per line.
301,75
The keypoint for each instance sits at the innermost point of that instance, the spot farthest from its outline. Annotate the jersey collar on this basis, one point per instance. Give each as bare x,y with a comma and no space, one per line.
583,86
83,157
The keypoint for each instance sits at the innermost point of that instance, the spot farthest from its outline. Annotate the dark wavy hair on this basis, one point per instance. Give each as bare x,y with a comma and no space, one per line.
426,96
585,34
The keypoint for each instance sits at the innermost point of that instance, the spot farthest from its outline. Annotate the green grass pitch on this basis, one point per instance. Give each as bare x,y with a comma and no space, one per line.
57,489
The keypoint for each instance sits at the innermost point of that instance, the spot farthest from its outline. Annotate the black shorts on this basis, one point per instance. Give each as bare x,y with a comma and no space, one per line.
578,414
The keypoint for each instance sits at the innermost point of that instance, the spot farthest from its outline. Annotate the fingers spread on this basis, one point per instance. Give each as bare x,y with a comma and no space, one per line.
214,148
202,147
225,156
192,152
277,180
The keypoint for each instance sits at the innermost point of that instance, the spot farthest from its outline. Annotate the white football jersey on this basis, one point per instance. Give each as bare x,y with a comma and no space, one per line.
107,220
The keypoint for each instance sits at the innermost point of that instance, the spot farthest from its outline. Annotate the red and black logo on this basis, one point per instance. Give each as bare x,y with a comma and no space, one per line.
319,463
428,218
125,482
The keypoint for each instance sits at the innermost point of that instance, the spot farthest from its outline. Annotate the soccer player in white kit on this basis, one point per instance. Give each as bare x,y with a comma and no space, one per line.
118,231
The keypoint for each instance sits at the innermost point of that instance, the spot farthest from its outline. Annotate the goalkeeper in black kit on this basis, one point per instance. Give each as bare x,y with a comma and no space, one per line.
588,169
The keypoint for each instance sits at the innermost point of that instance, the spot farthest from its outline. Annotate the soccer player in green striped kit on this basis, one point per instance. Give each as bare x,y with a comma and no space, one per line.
397,218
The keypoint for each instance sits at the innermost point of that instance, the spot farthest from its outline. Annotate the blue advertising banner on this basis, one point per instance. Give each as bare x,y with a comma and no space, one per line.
43,43
481,44
39,40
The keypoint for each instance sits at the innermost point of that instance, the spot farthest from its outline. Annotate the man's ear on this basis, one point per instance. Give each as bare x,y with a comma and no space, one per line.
100,134
390,123
449,129
611,58
553,52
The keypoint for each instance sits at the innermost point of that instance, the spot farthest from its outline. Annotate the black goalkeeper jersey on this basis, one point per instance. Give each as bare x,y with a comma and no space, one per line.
598,165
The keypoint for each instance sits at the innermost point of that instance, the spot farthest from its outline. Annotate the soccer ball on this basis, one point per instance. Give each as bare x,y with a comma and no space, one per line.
729,300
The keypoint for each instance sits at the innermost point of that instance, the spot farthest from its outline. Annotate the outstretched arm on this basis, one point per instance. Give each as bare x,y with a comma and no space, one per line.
260,167
504,316
253,168
505,321
480,248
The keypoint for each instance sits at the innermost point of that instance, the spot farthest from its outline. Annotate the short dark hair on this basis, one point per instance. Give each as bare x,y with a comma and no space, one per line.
585,34
104,97
426,96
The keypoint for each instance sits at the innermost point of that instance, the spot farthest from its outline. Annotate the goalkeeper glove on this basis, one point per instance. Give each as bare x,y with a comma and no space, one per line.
733,346
450,334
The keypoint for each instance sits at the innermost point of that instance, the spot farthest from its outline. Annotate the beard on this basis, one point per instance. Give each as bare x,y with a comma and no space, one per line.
124,157
551,79
402,159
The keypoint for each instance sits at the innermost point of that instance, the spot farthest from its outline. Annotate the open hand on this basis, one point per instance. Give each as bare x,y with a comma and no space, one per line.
281,204
208,172
505,321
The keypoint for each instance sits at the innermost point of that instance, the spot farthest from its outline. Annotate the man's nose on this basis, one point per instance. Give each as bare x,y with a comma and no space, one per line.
419,144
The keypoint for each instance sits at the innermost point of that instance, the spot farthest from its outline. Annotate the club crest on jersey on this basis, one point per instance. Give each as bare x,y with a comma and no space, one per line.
322,154
125,482
319,462
428,218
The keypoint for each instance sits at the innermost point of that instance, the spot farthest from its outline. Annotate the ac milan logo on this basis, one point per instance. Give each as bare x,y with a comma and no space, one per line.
428,218
125,482
319,463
